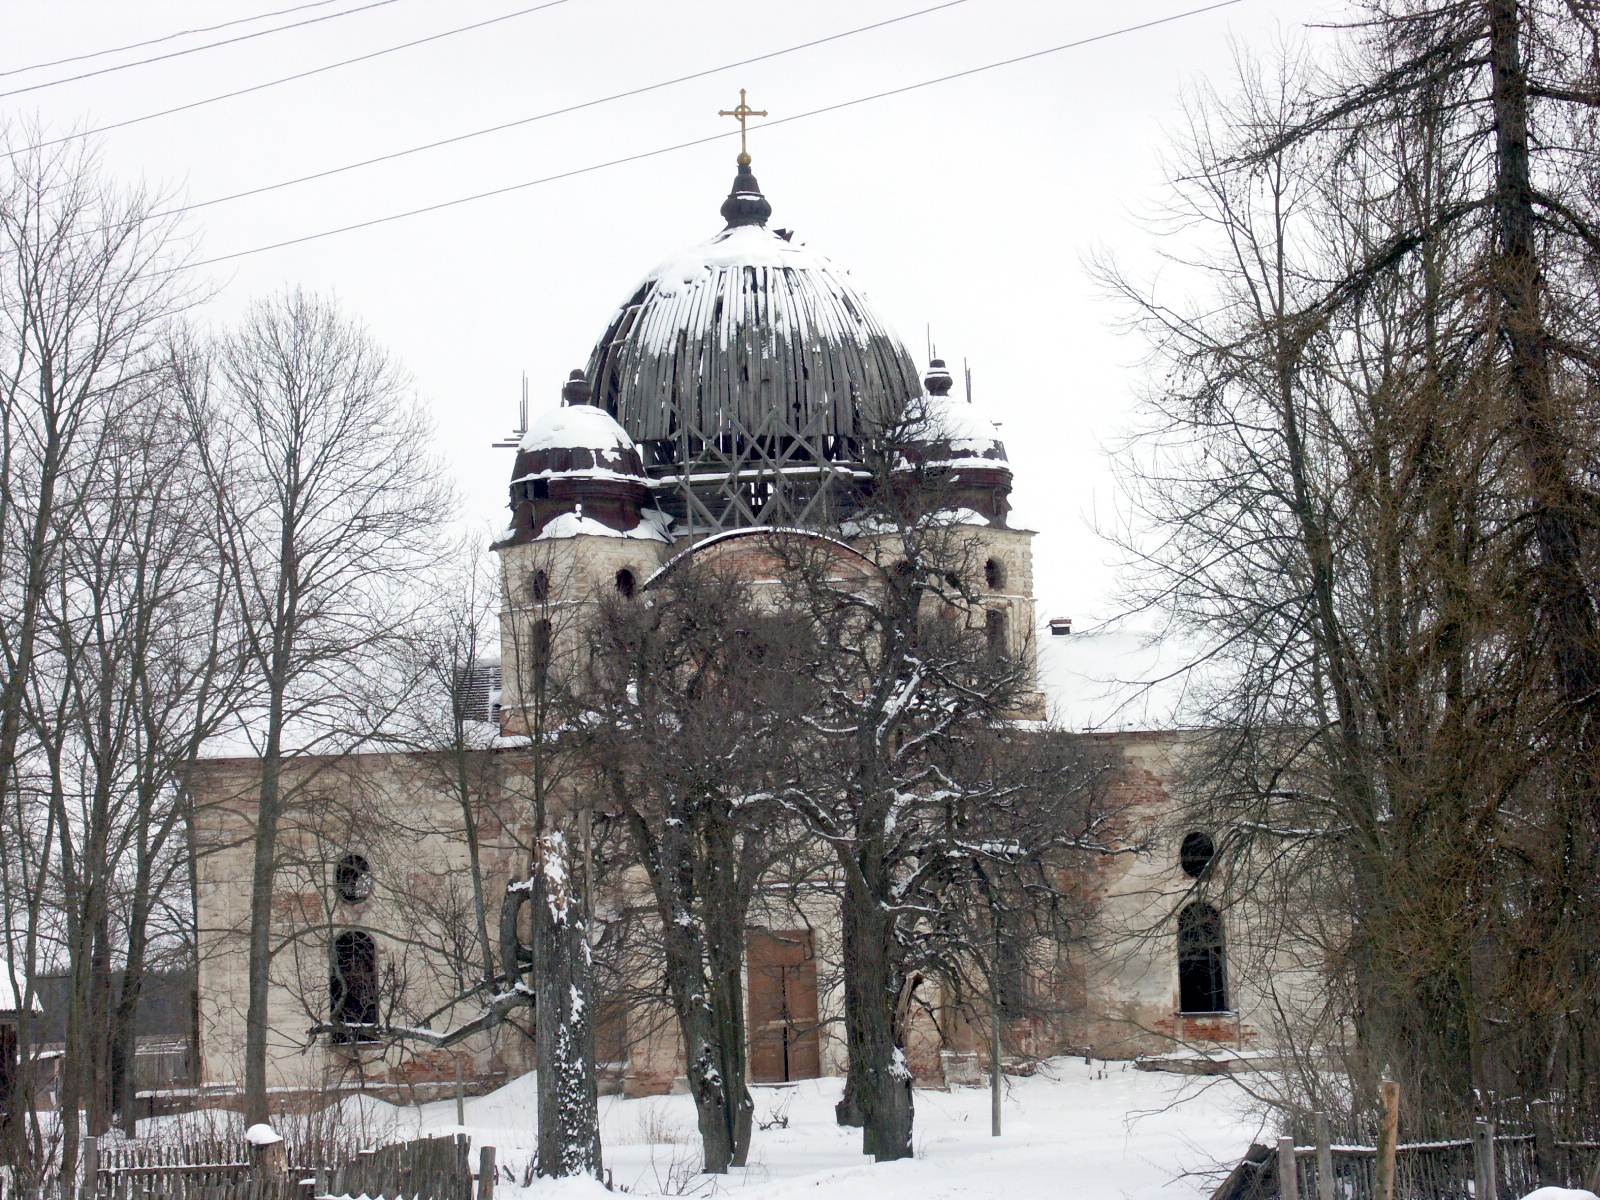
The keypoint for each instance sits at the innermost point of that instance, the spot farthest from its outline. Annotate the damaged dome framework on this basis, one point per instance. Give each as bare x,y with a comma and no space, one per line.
750,373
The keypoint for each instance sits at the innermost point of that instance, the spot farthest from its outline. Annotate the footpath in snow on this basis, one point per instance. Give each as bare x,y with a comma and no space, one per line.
1081,1131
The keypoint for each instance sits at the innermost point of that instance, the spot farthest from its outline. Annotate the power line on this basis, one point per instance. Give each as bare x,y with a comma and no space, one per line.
167,37
257,87
899,91
558,112
243,37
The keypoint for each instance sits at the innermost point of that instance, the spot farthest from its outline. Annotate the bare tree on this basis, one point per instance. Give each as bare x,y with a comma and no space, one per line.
329,502
139,670
87,286
910,670
691,706
544,635
1356,496
455,657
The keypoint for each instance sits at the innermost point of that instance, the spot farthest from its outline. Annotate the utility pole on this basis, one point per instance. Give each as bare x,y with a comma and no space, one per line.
994,1068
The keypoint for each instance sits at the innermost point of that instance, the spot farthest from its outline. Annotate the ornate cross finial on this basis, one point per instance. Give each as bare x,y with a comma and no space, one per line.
743,112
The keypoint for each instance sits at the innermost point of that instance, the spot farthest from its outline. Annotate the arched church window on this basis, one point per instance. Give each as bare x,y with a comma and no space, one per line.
1196,853
539,587
1202,977
626,583
353,878
994,574
994,622
353,987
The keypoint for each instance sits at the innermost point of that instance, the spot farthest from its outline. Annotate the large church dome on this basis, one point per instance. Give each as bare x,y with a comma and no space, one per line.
748,370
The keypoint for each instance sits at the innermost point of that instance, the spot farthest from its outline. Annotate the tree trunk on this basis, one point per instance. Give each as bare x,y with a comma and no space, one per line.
123,1040
569,1115
704,960
871,1033
850,1111
469,821
724,949
260,957
100,1026
1558,506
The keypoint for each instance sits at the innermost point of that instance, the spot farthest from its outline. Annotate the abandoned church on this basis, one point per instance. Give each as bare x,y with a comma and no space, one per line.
724,405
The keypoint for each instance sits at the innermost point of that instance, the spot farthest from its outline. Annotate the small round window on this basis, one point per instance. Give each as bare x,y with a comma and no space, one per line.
1196,853
353,877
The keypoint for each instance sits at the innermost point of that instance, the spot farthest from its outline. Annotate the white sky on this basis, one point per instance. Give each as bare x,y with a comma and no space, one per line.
968,206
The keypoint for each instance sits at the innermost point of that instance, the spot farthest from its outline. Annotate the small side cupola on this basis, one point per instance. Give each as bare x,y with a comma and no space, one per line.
958,453
578,471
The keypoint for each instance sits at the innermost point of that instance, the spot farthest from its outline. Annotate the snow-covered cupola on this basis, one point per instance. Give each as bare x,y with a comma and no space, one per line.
578,471
957,452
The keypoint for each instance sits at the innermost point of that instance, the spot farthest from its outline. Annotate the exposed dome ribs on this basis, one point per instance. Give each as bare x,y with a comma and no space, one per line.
747,370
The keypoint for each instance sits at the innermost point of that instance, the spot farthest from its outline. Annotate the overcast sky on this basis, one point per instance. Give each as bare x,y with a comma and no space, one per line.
967,206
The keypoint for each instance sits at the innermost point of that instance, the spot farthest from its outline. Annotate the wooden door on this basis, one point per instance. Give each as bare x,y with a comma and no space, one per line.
784,1041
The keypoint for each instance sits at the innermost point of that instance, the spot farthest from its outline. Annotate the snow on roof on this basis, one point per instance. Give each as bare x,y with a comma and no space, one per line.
742,246
1114,679
964,426
652,527
575,426
684,351
9,1001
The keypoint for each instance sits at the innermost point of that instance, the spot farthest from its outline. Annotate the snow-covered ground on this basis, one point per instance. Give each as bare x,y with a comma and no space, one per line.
1085,1131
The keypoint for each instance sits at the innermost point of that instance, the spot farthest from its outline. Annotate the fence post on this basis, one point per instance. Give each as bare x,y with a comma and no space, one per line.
1288,1176
1388,1136
461,1095
1545,1162
1488,1179
486,1173
1324,1159
91,1168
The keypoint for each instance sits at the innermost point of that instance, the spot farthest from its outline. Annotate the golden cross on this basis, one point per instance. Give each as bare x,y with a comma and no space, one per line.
743,112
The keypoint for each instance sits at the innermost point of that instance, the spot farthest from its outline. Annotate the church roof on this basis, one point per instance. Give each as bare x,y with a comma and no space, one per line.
577,441
749,332
749,357
958,433
1110,679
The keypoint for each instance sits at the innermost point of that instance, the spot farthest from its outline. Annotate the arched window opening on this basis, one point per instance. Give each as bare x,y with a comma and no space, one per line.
994,574
353,878
1196,853
353,987
994,622
1202,978
625,583
539,587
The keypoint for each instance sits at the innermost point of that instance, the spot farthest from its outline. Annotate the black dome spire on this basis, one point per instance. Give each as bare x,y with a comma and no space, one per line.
745,204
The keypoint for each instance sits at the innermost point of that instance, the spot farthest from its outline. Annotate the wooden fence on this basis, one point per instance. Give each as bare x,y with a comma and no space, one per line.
213,1169
429,1169
1489,1166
